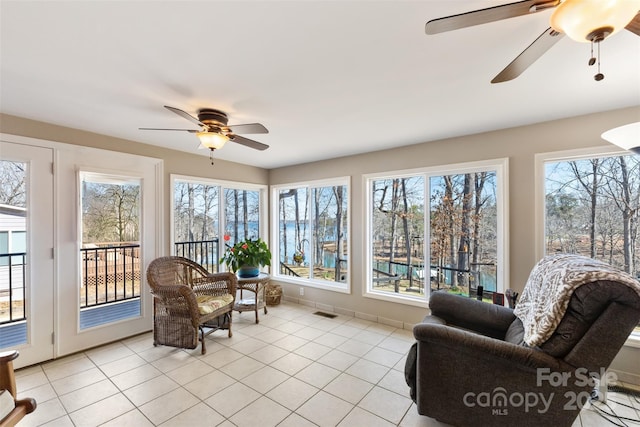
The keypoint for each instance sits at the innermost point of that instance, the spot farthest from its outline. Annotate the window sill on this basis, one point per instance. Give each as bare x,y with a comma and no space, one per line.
398,299
340,287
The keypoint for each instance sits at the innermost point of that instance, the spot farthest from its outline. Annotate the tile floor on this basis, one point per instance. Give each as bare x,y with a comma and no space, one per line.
294,368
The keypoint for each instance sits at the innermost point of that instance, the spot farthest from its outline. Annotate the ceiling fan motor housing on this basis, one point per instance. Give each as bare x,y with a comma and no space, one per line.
210,116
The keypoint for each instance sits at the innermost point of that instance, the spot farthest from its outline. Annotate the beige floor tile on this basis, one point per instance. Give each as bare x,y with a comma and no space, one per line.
76,381
349,388
173,361
109,353
190,371
31,381
292,393
242,367
63,368
295,420
317,374
383,357
325,409
232,399
133,418
355,348
271,335
369,337
309,333
264,379
168,405
386,404
338,360
346,330
124,364
221,357
209,384
289,327
290,342
199,415
102,411
149,390
268,354
135,376
360,417
312,350
367,370
291,363
248,346
330,339
395,381
87,395
263,412
64,421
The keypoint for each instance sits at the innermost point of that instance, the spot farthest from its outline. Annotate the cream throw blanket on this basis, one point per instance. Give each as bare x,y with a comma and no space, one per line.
549,288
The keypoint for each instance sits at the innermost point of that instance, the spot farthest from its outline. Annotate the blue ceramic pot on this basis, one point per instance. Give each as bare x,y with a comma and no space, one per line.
248,271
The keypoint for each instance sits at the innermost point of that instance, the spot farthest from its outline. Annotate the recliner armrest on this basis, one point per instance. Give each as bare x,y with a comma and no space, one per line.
487,319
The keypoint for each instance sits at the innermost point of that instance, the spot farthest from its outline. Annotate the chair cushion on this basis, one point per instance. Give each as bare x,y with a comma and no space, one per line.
207,304
6,403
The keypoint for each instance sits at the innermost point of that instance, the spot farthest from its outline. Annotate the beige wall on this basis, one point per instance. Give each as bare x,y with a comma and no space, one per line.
518,144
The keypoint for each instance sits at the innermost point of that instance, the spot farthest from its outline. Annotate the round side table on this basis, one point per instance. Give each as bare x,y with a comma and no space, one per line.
257,286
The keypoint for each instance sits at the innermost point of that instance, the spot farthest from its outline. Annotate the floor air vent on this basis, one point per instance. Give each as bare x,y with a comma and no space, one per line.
323,314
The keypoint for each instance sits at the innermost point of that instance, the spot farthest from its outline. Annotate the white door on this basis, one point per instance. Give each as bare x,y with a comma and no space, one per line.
26,252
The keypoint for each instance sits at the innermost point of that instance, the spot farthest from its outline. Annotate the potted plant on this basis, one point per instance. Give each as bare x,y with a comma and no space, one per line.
246,257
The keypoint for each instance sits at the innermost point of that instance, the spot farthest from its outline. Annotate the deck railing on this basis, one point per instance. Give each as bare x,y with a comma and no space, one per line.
204,252
109,274
12,287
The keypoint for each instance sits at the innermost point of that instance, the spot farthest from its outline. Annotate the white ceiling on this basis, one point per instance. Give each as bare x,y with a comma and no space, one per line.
327,78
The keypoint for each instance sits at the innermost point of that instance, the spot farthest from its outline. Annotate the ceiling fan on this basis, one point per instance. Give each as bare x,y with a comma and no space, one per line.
214,131
582,20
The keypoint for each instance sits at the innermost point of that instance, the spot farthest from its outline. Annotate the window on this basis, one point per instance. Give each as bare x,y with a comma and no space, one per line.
311,233
451,216
201,215
592,207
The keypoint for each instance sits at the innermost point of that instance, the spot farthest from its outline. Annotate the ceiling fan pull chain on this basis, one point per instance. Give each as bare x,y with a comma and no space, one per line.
592,60
211,156
598,76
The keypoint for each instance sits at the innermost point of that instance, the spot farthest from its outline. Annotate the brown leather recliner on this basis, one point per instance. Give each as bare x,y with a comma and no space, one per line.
471,366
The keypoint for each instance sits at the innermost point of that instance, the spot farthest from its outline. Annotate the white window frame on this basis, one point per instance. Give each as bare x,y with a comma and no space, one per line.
499,166
342,287
558,156
224,185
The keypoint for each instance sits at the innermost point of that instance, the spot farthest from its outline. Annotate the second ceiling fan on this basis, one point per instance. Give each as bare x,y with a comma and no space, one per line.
588,21
215,131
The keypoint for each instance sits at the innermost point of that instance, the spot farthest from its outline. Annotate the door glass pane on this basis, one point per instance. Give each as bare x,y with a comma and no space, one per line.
13,226
110,253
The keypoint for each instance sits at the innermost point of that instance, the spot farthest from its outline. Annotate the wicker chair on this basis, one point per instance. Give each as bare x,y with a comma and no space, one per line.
187,299
12,410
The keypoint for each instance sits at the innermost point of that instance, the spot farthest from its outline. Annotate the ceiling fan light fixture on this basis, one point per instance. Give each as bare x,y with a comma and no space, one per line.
593,20
627,137
212,140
